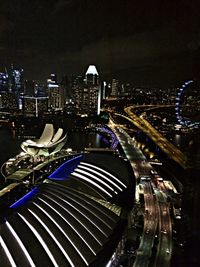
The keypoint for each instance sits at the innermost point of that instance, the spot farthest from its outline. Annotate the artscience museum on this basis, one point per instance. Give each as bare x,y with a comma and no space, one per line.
50,142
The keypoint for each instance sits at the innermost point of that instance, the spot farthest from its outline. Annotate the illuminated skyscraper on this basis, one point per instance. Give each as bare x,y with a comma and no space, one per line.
92,76
87,96
115,88
29,88
16,80
4,82
9,101
55,94
35,105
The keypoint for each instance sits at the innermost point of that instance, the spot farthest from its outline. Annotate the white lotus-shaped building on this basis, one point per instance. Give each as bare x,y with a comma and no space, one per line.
49,143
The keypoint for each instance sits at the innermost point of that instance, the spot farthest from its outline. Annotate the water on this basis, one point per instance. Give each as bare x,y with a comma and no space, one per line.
77,140
181,141
10,143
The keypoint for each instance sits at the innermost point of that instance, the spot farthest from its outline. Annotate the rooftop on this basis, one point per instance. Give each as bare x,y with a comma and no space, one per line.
70,219
92,70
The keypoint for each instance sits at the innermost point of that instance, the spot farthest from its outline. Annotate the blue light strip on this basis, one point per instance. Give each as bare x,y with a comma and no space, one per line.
114,140
66,168
25,198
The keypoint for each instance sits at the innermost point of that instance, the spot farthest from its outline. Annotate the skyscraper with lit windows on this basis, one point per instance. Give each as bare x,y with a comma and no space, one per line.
55,93
87,96
115,88
4,85
16,80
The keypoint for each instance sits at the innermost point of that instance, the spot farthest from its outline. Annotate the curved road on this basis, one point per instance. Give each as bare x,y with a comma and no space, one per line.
158,138
157,213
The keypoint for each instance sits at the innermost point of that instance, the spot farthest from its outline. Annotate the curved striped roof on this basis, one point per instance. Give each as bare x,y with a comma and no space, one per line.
105,183
56,226
81,172
69,219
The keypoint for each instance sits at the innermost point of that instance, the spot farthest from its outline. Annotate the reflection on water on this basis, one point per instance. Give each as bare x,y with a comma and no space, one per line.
81,140
10,144
177,140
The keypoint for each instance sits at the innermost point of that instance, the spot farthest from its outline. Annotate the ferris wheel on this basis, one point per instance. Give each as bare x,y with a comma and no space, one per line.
178,108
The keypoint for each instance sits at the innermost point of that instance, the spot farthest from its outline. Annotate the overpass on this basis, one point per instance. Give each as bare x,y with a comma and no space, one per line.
168,148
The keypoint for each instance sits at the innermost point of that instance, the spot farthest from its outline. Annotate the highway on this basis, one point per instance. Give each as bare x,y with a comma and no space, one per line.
164,249
167,147
157,214
140,167
150,225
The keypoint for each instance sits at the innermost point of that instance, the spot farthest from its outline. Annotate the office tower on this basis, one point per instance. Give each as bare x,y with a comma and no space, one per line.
65,85
29,87
70,107
76,80
125,89
55,93
103,89
40,90
53,78
16,80
86,99
4,82
35,105
87,95
9,101
92,76
115,88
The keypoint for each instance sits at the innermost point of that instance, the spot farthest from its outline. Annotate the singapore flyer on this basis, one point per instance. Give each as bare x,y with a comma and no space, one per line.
188,105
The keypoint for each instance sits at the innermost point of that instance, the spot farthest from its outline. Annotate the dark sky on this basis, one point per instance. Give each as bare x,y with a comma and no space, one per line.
145,41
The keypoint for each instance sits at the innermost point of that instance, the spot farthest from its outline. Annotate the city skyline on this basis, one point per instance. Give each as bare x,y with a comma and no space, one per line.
154,43
99,133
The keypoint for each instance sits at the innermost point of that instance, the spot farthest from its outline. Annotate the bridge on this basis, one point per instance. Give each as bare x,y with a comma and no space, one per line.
167,147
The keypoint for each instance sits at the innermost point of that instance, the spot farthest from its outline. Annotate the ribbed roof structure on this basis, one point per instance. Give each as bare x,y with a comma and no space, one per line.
67,222
58,227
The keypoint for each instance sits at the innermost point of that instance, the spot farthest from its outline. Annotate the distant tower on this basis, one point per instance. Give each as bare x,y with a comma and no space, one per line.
4,82
92,76
94,89
55,94
86,94
16,80
35,105
29,87
103,90
115,88
54,78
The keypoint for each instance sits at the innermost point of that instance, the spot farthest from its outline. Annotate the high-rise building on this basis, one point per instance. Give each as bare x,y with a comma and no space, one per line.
92,76
4,86
87,95
103,90
16,80
115,88
9,101
40,90
29,87
35,105
53,78
55,93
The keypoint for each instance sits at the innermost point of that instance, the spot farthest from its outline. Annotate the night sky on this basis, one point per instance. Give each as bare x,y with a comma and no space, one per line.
147,42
